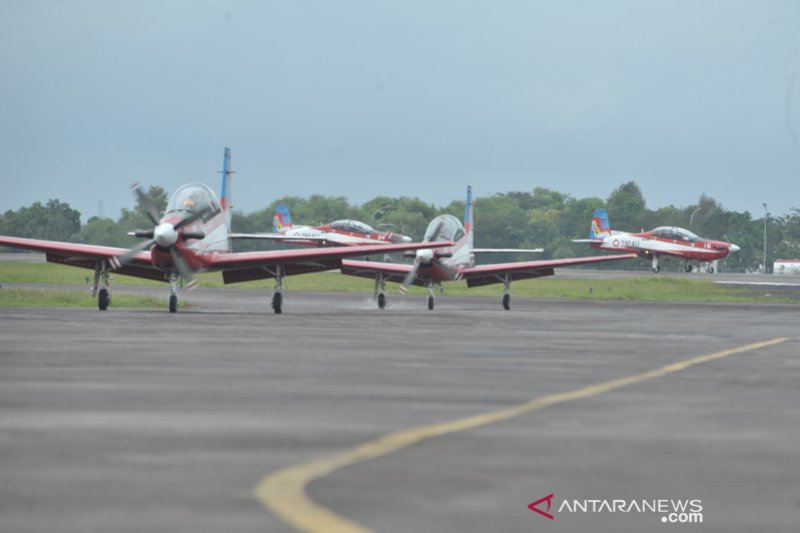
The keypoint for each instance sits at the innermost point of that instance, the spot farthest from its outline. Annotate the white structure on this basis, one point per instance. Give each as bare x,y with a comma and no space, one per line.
786,266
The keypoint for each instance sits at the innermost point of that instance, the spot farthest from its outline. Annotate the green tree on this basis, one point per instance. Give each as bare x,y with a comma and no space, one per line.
55,221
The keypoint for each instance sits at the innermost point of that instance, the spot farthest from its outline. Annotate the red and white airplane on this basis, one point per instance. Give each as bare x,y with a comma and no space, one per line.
664,240
337,233
432,267
194,236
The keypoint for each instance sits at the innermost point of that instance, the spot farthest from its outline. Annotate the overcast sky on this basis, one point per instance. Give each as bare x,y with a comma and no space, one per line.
413,98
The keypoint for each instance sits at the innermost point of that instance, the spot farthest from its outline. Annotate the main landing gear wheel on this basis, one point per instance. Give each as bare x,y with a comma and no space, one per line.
173,303
102,299
688,268
277,300
710,270
430,302
506,302
381,301
656,269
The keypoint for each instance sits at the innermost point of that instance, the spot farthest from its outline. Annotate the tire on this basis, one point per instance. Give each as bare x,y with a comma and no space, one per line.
381,301
506,302
103,299
430,303
173,303
277,301
687,268
710,270
657,269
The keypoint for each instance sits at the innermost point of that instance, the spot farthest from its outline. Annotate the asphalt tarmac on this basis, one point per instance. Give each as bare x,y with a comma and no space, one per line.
139,420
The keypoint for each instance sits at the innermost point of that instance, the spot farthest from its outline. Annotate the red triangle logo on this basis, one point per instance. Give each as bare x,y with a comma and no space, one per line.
549,500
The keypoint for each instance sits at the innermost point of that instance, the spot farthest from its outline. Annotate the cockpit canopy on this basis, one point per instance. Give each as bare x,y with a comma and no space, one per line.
444,228
353,226
672,232
193,198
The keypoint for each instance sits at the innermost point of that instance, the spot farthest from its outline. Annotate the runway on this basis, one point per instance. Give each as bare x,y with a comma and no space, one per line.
139,420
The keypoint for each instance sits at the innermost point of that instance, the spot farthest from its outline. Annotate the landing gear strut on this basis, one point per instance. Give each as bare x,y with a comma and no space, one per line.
104,292
507,292
380,291
277,296
173,293
656,267
431,297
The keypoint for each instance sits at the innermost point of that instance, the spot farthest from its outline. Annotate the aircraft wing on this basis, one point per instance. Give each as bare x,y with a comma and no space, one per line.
247,266
368,269
488,274
295,239
87,256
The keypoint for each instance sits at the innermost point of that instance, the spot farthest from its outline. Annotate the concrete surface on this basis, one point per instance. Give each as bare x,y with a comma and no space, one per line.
139,420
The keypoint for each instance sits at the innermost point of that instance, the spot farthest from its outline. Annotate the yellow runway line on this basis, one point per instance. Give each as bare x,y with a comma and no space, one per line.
284,492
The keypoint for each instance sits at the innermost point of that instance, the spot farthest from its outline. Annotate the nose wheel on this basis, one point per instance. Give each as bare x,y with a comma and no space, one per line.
380,291
277,295
431,297
173,293
507,292
101,287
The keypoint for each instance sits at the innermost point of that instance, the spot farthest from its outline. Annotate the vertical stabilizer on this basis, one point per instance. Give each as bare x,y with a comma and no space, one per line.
601,227
468,217
282,219
225,195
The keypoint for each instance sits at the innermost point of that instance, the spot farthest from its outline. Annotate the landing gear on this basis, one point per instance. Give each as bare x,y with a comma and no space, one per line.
277,296
277,301
687,268
710,270
507,292
103,299
101,287
380,291
656,267
431,297
173,293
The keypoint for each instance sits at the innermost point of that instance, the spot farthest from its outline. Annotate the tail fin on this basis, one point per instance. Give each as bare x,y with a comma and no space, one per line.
225,196
601,227
282,219
468,216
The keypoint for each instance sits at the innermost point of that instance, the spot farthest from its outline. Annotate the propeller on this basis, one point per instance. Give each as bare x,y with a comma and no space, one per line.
422,257
165,235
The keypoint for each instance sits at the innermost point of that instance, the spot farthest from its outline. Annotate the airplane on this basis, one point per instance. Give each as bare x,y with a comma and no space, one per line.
194,236
433,267
338,233
663,240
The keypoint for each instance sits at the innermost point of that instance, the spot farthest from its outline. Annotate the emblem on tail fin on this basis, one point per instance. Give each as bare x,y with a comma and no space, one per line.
282,219
601,227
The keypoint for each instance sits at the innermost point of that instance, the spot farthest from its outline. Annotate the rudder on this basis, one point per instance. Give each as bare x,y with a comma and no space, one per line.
601,227
282,220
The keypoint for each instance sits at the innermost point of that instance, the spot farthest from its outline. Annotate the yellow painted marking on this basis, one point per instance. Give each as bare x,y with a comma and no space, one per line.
284,491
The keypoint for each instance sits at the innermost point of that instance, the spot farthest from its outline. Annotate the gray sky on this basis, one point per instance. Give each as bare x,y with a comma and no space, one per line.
413,98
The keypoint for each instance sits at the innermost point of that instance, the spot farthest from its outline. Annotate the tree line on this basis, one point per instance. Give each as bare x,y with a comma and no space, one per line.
541,218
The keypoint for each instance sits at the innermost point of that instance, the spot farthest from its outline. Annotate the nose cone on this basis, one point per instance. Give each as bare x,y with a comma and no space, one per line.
425,256
733,248
165,235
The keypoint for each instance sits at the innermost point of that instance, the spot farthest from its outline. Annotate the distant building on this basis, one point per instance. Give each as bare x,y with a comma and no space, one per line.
786,266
